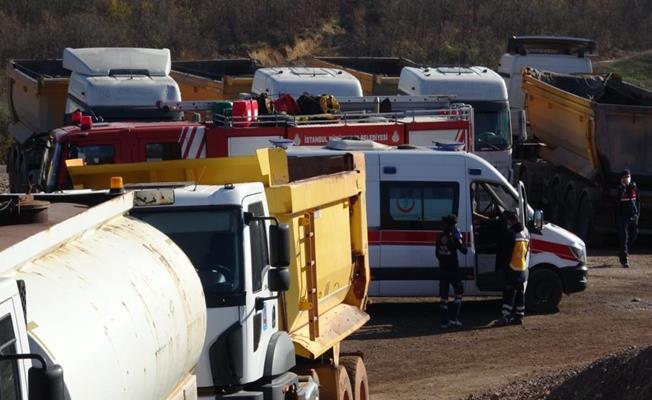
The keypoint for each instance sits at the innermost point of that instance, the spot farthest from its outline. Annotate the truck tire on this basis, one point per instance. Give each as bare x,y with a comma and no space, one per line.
344,389
358,375
554,200
544,290
568,207
585,214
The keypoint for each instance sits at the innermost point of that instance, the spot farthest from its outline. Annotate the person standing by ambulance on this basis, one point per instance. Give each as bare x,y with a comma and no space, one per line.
628,212
448,244
518,242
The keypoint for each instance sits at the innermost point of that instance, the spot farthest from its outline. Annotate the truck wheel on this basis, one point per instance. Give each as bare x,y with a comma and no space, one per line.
344,390
567,208
585,222
554,200
543,292
358,376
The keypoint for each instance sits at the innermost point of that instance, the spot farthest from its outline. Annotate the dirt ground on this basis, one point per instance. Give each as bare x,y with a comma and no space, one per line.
409,357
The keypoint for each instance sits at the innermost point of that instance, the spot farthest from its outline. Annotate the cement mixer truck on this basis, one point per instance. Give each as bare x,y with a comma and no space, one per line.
102,305
280,245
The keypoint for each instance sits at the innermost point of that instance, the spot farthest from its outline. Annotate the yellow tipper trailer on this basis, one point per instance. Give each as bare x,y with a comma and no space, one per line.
322,199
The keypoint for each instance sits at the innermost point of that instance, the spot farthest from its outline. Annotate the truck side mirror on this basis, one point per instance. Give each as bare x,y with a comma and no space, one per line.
278,279
46,384
279,240
537,221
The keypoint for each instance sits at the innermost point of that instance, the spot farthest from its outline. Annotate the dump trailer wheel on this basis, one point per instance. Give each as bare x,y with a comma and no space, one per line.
568,206
344,389
554,200
358,375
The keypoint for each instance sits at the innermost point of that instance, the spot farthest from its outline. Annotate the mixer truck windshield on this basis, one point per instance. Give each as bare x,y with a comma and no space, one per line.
491,121
212,240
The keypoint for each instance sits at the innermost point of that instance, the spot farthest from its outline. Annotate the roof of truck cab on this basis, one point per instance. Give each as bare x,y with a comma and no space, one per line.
57,212
297,80
111,127
212,195
103,61
474,83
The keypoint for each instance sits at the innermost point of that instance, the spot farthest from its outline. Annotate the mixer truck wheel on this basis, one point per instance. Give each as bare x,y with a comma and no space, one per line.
358,375
344,389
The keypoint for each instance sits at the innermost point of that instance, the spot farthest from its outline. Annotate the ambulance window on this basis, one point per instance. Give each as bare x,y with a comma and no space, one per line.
162,151
490,199
417,205
9,376
93,154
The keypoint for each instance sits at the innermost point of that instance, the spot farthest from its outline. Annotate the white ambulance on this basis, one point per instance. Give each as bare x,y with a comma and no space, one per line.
408,193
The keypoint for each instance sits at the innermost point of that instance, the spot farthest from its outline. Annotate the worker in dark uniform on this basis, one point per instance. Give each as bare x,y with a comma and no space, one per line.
628,211
512,255
448,244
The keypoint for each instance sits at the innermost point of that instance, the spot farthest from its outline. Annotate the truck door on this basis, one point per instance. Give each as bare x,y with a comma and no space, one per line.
13,340
488,201
261,315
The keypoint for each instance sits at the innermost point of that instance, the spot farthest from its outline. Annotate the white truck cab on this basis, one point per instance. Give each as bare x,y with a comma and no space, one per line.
223,229
408,193
565,55
120,83
296,81
485,91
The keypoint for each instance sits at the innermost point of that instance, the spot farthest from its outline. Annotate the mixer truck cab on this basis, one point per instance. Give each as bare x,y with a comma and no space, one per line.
224,231
479,87
408,193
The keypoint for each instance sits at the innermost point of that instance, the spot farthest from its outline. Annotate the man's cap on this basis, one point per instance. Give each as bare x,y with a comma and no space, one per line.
625,172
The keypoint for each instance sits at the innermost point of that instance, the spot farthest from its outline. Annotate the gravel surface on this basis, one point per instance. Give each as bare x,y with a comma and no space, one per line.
409,357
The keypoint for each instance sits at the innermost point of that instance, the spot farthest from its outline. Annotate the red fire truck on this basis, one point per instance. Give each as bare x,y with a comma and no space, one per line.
124,142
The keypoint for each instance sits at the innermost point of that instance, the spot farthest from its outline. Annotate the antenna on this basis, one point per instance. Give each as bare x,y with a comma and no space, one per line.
203,169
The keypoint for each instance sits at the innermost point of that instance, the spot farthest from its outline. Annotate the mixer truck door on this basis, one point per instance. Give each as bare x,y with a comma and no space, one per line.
262,312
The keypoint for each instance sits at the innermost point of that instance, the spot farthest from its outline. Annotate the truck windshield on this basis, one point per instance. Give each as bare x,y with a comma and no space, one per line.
491,120
212,240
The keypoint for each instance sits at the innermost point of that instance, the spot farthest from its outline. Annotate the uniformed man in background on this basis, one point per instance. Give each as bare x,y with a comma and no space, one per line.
628,210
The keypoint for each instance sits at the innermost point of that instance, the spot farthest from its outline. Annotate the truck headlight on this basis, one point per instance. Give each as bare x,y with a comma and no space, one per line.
579,252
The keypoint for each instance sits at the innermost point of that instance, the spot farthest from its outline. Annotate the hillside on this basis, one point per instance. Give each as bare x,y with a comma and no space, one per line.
439,31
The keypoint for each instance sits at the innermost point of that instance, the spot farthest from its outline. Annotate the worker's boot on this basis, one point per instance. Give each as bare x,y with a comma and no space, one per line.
443,314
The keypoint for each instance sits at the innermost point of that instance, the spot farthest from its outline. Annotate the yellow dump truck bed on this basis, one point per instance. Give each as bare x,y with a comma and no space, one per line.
564,122
327,218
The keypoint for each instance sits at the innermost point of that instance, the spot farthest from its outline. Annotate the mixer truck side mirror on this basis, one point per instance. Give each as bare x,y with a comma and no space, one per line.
279,242
279,257
44,383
